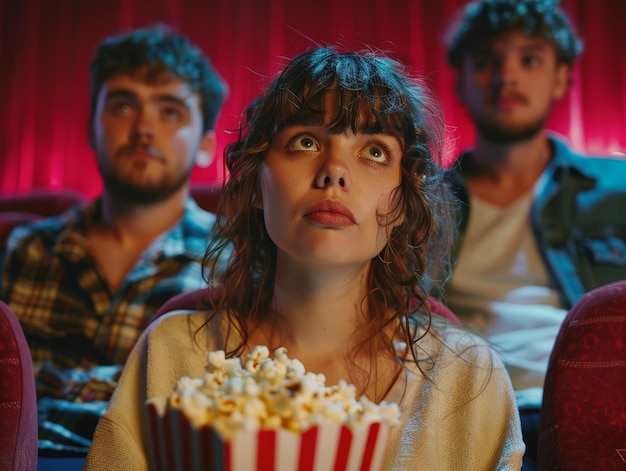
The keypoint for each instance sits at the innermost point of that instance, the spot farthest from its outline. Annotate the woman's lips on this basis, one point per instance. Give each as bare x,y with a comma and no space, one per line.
330,213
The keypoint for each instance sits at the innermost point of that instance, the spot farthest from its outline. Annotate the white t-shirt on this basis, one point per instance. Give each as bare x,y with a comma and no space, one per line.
501,288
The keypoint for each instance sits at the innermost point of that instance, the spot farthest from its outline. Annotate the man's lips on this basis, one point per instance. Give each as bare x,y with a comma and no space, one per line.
330,213
508,100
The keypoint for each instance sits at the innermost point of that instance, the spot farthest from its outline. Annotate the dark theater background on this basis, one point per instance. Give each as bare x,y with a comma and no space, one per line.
46,46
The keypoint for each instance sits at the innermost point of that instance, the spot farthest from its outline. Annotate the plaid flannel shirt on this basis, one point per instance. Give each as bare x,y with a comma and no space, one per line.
69,314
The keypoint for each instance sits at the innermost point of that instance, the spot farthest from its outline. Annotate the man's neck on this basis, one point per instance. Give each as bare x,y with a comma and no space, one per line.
498,160
125,232
500,173
141,221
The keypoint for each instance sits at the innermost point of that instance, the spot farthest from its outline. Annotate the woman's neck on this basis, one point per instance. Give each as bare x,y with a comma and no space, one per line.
316,301
319,317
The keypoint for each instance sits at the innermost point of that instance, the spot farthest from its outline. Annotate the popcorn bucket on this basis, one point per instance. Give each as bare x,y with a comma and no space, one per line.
176,445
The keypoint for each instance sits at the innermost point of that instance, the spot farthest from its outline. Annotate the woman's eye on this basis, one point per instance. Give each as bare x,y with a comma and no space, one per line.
375,153
303,143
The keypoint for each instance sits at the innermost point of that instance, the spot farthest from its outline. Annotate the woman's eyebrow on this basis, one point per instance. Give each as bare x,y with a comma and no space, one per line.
309,119
300,120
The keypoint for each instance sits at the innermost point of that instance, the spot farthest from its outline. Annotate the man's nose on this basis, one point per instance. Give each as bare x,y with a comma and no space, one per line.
143,126
505,72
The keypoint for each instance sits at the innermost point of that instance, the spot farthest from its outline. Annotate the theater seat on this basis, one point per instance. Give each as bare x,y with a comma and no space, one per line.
583,416
201,299
17,209
18,402
195,300
44,202
206,195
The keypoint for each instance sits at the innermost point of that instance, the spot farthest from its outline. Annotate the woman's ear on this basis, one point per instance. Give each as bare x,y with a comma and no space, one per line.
206,151
257,199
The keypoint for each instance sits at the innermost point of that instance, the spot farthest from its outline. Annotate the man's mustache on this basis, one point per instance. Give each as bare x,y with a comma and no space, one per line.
495,97
133,148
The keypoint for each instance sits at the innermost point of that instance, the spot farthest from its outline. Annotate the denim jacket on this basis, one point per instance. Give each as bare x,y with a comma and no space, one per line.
578,217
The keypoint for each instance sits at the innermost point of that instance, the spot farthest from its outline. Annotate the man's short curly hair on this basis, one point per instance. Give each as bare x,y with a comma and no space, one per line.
483,20
161,51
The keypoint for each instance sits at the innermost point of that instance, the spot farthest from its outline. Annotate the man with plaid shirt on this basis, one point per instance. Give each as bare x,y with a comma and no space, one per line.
85,284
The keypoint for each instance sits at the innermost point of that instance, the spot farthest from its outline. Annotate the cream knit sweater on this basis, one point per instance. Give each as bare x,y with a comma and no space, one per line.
463,418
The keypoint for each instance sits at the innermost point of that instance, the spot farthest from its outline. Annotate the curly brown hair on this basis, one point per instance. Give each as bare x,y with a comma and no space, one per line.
375,95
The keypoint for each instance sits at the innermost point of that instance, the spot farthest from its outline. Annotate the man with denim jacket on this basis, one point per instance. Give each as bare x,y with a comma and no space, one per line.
539,225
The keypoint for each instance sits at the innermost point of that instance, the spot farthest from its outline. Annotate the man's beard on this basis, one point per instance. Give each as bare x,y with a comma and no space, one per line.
129,191
498,134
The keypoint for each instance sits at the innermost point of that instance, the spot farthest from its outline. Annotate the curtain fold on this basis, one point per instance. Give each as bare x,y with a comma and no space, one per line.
46,47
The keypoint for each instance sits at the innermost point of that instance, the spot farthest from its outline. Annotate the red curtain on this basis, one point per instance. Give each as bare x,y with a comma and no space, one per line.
46,47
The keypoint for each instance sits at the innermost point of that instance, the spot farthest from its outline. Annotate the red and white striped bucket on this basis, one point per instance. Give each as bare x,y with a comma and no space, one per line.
175,445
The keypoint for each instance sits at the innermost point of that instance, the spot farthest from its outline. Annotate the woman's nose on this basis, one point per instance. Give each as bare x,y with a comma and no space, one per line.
334,172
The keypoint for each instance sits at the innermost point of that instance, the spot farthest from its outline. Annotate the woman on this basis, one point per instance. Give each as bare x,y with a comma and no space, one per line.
334,213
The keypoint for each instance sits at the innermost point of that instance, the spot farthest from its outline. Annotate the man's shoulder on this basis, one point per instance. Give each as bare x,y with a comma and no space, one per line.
196,221
596,165
46,230
603,164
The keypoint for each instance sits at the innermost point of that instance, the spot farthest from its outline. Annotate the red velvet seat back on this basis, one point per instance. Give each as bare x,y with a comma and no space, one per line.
195,300
583,417
43,202
200,299
21,208
206,195
18,403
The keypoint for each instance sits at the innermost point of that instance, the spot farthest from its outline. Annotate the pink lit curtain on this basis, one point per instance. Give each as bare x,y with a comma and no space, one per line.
46,47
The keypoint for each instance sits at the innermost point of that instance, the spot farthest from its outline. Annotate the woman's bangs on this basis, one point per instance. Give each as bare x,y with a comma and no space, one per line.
340,99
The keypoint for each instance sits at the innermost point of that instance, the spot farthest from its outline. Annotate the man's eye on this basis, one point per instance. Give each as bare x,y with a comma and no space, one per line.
484,63
303,143
122,108
530,60
172,114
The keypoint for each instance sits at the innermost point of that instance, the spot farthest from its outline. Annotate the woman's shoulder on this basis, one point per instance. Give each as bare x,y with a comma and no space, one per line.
450,342
175,319
183,334
185,324
181,315
461,364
